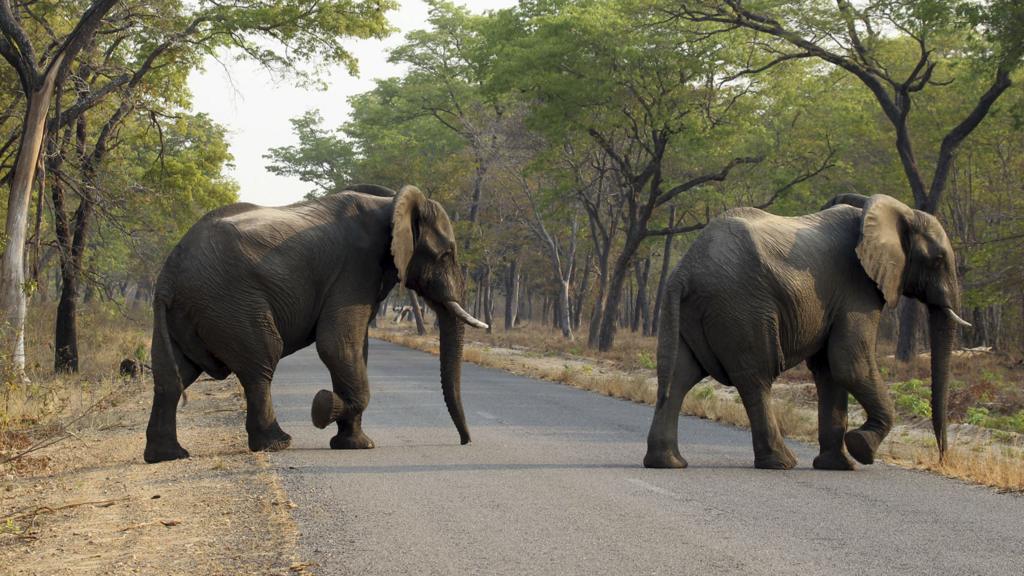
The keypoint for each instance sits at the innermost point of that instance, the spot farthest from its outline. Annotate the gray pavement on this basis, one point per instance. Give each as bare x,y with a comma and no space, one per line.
552,484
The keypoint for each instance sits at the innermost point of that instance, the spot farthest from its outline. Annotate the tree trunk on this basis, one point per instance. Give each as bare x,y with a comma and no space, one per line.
417,313
911,323
597,314
581,296
609,324
488,298
564,320
511,294
13,300
72,248
666,262
641,312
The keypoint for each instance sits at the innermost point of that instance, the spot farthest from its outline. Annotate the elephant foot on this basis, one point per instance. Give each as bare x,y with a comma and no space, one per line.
162,452
327,408
664,459
780,460
272,439
834,460
357,441
862,445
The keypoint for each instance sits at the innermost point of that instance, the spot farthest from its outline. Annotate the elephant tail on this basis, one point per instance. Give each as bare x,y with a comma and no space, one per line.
162,338
668,335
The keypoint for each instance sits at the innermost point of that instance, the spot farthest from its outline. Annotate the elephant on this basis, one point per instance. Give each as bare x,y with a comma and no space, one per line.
758,293
248,285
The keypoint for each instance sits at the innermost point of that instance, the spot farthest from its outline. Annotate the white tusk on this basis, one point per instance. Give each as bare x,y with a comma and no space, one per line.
957,319
463,315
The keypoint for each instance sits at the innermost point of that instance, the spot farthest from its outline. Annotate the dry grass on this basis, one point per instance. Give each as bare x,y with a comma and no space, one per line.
627,373
34,408
999,466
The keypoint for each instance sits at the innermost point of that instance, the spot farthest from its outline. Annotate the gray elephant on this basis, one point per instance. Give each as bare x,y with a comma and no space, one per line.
758,293
248,285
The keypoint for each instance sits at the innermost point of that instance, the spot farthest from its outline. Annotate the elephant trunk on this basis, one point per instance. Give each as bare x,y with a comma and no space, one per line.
452,331
940,329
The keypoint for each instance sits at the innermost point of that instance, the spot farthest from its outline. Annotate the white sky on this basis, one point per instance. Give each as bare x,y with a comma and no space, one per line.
256,108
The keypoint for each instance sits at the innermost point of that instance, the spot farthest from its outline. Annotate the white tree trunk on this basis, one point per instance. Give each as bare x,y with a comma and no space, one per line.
13,297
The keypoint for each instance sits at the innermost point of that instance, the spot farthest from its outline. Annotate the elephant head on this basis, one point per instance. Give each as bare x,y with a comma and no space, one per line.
906,252
425,255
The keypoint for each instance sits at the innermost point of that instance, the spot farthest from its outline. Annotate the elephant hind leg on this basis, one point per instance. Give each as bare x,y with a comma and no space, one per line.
663,438
770,451
172,373
832,416
260,422
264,346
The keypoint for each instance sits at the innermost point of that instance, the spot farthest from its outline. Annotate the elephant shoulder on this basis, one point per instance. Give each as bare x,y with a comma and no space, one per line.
230,210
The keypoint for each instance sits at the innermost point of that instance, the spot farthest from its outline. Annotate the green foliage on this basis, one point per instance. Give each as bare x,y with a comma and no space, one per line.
980,416
704,392
322,157
913,397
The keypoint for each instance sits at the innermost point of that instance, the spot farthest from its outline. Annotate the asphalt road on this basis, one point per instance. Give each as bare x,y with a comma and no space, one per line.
552,484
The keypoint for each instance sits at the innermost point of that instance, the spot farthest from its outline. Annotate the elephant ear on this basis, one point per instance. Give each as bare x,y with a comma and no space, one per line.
881,249
848,198
404,225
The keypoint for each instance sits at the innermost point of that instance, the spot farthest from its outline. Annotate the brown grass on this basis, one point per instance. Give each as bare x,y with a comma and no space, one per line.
107,335
626,372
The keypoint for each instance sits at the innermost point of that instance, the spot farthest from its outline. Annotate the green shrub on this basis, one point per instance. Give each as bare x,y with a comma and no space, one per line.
913,397
980,416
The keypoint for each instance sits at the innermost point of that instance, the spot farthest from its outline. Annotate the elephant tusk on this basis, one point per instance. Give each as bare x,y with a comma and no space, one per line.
461,314
957,319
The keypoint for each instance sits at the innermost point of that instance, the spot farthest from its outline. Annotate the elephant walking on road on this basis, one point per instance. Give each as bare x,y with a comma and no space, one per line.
248,285
757,294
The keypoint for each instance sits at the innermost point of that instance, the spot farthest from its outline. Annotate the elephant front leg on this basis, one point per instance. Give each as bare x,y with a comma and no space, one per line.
857,372
344,355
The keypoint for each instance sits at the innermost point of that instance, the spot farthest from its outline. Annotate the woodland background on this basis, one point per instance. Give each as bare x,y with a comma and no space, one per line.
579,146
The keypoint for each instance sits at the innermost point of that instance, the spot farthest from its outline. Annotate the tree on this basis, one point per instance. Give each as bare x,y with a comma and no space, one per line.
322,157
642,98
38,75
865,40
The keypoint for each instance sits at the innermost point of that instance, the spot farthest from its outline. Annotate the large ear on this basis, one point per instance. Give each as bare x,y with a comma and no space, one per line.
408,203
881,251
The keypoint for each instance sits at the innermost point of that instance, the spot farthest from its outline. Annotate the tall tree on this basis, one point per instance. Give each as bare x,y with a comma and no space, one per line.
39,74
642,98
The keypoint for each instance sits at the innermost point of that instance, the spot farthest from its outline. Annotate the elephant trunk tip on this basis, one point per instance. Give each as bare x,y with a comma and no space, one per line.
464,437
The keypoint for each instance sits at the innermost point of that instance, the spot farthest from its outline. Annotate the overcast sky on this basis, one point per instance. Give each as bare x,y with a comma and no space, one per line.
255,108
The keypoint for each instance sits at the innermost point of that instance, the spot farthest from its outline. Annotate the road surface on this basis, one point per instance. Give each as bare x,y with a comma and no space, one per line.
552,484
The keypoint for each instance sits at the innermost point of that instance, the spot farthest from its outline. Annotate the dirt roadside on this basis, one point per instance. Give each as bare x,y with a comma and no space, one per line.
90,505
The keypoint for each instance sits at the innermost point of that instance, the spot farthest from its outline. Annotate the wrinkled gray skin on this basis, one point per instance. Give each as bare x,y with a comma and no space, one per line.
248,285
757,294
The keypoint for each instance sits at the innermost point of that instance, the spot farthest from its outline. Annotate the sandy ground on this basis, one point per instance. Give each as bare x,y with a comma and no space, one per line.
90,505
